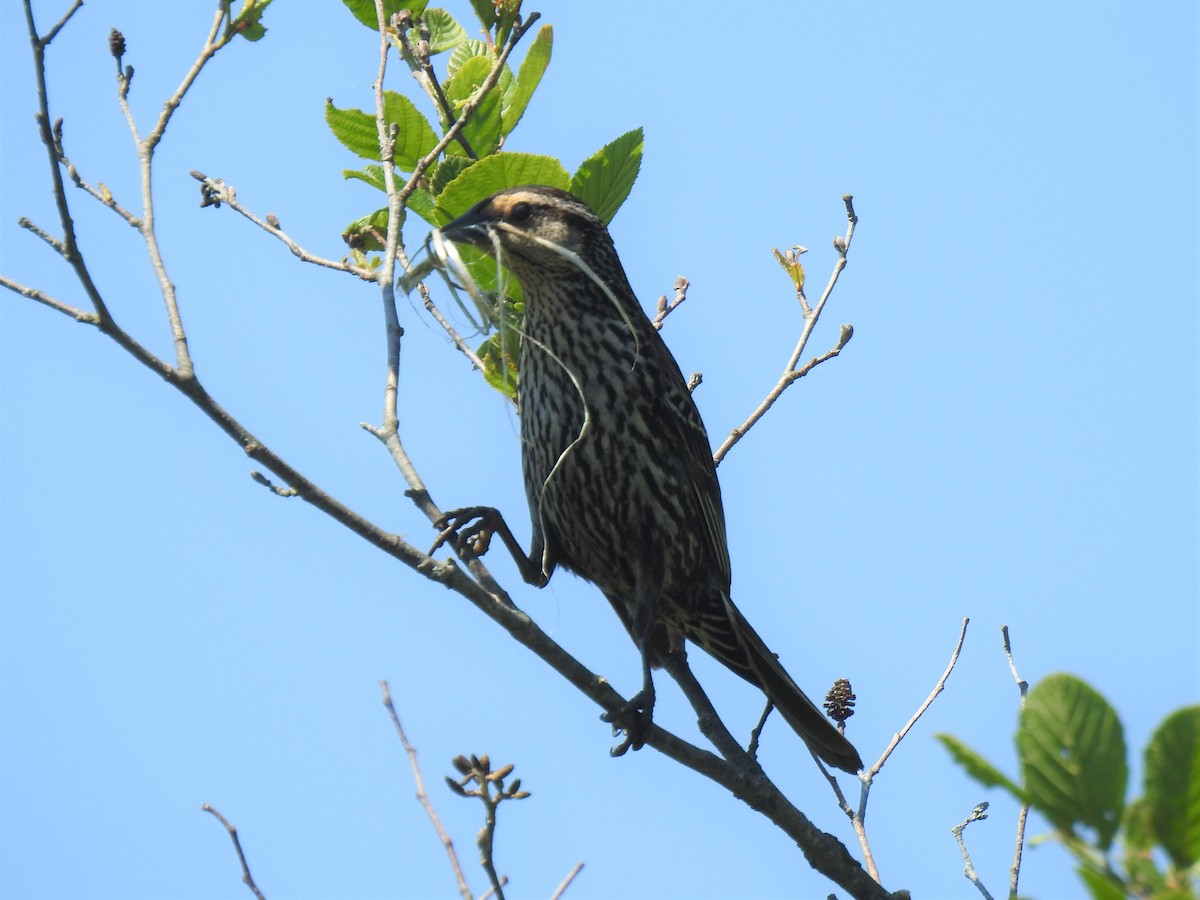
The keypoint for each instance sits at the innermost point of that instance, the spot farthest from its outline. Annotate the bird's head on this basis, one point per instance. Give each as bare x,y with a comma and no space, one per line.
535,229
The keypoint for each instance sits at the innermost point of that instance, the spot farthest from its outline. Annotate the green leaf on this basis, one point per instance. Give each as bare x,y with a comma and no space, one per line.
605,178
468,49
372,175
482,132
448,169
529,76
248,23
1072,751
506,16
444,31
416,137
495,173
1173,785
978,767
499,357
355,129
1100,886
364,10
790,262
421,202
485,10
358,133
1137,826
369,232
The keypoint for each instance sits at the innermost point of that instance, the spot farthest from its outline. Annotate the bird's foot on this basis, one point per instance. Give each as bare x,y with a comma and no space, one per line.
633,719
471,527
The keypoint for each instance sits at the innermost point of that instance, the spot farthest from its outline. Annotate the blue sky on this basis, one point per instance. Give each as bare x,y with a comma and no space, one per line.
1011,436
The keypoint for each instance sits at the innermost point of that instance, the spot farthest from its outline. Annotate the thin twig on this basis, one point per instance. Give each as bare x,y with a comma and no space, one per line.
457,339
55,244
34,294
858,817
664,308
423,797
53,32
217,191
790,373
1014,871
756,731
70,245
937,689
145,151
566,882
246,877
978,814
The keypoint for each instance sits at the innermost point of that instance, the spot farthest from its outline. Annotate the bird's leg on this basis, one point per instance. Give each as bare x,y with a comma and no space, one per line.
636,715
474,526
641,617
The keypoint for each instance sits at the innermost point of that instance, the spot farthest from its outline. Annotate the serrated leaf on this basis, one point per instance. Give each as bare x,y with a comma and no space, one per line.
1072,751
416,137
444,31
482,132
359,134
364,10
448,169
468,49
529,76
978,767
605,178
495,173
354,129
1173,785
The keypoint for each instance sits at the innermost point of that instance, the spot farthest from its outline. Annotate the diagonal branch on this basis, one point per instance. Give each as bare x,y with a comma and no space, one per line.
792,374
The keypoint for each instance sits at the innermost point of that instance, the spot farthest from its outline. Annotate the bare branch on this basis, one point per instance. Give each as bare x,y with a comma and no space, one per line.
937,689
55,244
858,816
53,32
978,814
1014,871
566,882
34,294
791,373
237,844
423,797
216,192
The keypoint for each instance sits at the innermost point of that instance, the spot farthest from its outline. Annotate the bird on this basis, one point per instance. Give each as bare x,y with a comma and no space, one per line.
618,470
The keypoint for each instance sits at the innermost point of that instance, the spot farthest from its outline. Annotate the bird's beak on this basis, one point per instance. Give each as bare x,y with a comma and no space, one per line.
469,228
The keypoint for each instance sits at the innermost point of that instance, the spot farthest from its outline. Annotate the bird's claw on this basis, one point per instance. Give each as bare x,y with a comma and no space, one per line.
471,527
634,719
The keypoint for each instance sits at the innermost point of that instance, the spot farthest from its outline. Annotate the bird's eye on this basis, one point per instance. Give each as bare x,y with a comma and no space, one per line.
519,213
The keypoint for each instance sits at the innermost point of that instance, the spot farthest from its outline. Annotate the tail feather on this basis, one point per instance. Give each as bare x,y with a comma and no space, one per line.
736,644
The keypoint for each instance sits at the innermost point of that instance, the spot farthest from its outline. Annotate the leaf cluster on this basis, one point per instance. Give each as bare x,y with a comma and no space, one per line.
1072,754
445,179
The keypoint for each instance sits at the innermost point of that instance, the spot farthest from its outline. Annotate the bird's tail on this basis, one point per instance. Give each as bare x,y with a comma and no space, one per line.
740,649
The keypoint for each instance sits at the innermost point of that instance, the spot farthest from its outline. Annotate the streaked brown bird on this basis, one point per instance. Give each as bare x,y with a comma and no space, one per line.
618,471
